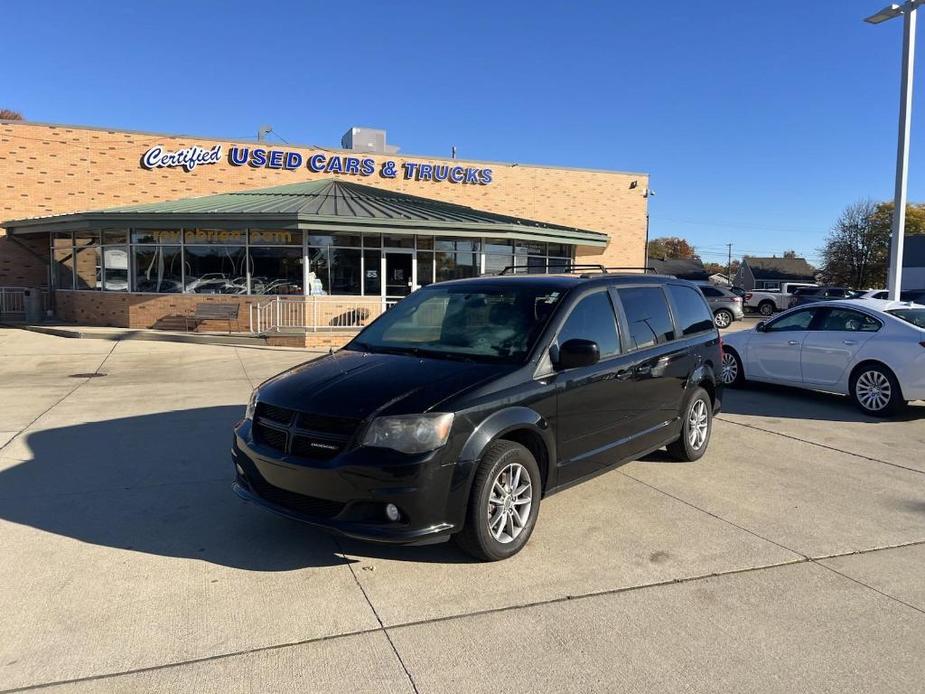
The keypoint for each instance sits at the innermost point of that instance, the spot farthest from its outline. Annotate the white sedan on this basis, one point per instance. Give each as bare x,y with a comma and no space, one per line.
871,350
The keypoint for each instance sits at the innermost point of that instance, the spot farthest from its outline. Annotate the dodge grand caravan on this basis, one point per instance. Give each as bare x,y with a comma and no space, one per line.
459,409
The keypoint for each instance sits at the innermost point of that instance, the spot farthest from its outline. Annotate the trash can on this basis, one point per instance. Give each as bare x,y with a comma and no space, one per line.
32,300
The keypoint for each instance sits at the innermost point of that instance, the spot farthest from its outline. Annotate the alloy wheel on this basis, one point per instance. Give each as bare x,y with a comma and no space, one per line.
873,390
509,503
765,309
697,425
729,369
722,319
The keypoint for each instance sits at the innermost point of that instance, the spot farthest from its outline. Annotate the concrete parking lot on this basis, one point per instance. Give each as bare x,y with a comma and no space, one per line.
789,559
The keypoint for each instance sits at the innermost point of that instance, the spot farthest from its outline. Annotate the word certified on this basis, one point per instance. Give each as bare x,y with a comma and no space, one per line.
189,158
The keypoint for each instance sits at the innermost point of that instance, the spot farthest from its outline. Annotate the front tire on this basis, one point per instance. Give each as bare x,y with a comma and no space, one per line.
876,391
731,371
504,503
766,308
723,318
696,427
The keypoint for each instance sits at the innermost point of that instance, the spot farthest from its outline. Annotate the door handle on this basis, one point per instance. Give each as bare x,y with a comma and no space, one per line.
849,342
793,342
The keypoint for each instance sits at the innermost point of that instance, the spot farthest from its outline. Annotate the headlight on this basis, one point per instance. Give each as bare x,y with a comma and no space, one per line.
251,406
413,433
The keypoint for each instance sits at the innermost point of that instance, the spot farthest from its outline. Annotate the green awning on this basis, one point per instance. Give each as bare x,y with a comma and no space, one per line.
323,205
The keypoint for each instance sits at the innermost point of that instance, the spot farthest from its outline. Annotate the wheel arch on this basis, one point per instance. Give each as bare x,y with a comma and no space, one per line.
518,424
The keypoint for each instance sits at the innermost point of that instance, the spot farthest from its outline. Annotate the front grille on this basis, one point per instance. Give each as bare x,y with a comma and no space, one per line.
308,446
280,415
274,438
333,426
303,434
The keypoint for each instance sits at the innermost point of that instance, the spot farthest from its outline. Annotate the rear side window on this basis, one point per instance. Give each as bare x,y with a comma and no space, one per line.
648,316
593,319
707,291
850,321
692,313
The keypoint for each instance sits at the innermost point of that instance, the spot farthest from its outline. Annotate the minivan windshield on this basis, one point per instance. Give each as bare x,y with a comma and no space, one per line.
478,322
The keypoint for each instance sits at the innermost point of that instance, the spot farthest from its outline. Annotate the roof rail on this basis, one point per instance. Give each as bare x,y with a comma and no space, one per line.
574,267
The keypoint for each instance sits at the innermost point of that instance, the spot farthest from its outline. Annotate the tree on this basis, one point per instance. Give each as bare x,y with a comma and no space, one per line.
670,247
8,114
857,249
790,254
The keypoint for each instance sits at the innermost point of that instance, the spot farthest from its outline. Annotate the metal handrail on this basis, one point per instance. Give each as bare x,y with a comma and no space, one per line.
314,313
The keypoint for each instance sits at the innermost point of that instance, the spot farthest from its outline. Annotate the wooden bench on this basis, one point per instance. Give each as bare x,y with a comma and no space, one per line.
213,311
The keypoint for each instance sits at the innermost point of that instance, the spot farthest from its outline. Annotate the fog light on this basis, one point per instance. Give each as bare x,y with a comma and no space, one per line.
391,512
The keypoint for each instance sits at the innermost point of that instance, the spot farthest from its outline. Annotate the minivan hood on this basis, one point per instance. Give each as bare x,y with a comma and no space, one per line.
362,384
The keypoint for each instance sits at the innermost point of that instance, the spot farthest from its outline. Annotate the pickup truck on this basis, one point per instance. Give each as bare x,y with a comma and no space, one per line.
767,302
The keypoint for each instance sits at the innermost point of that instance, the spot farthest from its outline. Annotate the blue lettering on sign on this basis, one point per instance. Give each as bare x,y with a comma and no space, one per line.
316,162
238,155
258,157
293,160
388,170
275,159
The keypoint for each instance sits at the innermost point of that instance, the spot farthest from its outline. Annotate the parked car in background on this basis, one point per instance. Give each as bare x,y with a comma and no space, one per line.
768,302
456,411
809,295
871,350
872,294
738,291
726,306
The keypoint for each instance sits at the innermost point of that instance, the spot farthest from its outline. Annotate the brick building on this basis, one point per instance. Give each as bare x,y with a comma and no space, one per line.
128,228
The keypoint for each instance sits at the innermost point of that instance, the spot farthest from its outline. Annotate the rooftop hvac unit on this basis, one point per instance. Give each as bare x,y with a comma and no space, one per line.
367,140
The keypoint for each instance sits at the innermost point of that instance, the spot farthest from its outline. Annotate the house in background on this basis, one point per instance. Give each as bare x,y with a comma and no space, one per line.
914,261
769,273
720,279
684,269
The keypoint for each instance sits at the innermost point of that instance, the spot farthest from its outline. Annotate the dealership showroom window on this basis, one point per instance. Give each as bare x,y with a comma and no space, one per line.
271,262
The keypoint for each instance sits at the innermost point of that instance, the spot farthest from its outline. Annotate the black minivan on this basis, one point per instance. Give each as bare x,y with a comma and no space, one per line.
460,408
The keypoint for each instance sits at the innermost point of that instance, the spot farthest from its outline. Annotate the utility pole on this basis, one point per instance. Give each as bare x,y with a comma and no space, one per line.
729,264
908,12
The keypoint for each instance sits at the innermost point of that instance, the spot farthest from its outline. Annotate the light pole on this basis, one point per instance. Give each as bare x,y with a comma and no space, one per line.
908,11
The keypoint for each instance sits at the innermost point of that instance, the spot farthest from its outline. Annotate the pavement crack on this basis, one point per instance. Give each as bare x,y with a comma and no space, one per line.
375,612
60,400
821,445
716,516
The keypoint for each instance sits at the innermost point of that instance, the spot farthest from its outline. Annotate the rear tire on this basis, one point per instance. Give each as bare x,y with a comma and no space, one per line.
876,391
723,318
696,427
766,308
504,503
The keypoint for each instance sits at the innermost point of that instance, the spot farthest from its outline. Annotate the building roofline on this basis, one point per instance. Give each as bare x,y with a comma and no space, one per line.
296,145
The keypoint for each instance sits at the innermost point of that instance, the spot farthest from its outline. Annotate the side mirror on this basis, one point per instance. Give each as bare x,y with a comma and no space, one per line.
761,326
575,353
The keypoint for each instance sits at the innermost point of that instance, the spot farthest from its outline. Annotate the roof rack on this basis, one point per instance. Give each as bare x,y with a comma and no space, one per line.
575,267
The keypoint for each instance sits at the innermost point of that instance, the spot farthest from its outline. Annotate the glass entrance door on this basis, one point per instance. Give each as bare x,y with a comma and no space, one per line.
398,275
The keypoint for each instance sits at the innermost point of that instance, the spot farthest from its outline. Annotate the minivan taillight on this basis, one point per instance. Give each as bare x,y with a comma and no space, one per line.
748,296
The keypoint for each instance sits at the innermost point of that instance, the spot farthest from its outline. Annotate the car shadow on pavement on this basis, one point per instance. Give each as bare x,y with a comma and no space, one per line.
161,484
768,400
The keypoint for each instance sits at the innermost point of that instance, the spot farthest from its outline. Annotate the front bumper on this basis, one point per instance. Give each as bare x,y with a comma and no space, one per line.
348,495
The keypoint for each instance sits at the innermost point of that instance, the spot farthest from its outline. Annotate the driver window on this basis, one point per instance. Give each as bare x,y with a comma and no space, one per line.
799,320
593,319
850,321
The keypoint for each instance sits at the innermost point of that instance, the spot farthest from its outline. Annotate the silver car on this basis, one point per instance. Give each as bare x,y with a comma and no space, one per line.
726,305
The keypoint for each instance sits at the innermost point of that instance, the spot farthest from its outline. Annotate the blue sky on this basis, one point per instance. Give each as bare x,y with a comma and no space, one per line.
758,121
